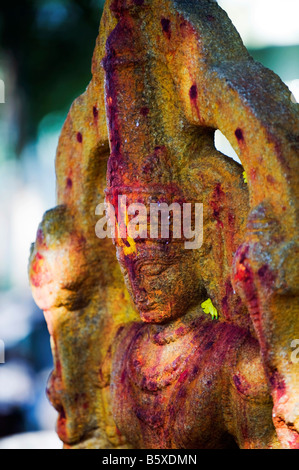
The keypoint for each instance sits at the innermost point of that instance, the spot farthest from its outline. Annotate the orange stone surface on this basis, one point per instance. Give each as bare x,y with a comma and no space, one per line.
137,363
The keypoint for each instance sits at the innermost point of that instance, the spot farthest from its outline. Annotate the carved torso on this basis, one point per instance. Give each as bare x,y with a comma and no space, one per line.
164,387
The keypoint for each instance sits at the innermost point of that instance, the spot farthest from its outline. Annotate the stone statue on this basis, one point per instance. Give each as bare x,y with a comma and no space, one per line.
137,361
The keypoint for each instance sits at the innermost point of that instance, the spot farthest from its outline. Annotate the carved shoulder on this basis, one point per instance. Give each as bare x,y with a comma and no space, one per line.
248,377
115,353
248,411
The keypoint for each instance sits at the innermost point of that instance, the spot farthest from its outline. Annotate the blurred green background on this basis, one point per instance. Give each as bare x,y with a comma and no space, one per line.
45,60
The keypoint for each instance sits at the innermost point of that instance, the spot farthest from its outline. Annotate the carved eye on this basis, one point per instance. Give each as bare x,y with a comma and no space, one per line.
153,269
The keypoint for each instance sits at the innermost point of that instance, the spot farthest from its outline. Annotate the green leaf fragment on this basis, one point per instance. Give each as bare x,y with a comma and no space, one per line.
209,309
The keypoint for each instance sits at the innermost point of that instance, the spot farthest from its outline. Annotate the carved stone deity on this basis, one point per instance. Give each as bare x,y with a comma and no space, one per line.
138,362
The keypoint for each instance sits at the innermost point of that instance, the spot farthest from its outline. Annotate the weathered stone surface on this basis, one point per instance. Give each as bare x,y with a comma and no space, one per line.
153,370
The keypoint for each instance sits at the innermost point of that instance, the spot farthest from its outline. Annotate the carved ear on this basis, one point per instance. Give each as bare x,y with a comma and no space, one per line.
219,183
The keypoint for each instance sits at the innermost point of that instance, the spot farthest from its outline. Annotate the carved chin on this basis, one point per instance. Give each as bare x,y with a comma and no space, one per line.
156,315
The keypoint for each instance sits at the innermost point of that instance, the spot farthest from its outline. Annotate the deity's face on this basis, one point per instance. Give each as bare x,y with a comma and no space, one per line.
162,278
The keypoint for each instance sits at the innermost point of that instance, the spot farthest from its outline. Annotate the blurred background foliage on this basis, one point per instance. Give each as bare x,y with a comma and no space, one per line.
46,48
